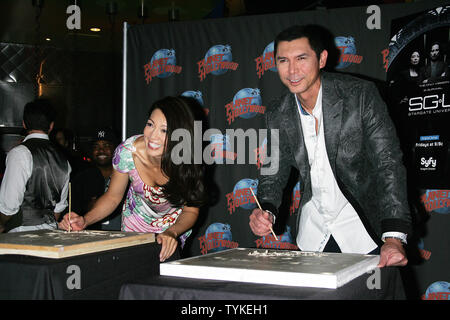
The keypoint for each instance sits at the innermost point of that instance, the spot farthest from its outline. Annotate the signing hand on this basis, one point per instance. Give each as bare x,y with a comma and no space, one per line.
168,240
76,222
392,254
260,222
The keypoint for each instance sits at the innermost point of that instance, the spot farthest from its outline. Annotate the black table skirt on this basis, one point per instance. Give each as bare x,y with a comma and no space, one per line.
176,288
101,274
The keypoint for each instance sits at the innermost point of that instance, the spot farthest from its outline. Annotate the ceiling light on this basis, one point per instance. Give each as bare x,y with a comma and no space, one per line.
95,29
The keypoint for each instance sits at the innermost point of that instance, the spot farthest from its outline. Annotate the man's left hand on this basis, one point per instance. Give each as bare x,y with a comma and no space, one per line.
392,254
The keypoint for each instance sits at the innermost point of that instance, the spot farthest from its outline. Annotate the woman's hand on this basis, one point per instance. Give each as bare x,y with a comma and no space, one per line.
168,240
76,222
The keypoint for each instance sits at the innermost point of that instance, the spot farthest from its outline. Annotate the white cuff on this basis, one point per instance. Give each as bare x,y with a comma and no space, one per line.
397,235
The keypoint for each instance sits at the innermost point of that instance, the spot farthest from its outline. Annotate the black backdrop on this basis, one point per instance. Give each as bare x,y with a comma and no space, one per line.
227,66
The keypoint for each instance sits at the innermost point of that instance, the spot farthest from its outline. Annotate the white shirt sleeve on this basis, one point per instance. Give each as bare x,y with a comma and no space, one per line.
61,205
19,165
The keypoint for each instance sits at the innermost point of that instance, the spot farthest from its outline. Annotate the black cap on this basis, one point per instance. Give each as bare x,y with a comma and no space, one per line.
105,134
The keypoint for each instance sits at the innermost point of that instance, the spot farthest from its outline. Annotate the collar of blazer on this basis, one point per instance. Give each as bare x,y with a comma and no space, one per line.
332,107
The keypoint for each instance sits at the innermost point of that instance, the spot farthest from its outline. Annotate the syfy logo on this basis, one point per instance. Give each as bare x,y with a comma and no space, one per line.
428,162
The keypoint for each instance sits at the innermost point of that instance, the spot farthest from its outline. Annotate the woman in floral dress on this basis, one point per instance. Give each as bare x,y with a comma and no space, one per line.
164,195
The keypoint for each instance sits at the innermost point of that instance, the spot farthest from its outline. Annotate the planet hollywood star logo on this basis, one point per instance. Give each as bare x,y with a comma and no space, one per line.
261,153
217,237
284,241
197,96
266,61
221,148
242,196
246,104
425,254
348,54
296,196
217,61
437,201
439,290
161,65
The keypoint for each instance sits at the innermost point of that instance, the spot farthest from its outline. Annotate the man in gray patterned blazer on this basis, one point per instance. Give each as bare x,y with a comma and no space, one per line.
335,129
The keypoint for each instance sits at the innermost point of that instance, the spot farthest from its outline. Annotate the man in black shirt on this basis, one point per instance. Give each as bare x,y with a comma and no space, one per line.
91,183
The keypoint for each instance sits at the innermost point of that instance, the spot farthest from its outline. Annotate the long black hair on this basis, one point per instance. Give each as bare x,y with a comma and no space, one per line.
186,184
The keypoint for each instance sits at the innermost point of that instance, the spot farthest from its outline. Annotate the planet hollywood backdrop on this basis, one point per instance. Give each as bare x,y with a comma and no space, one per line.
227,66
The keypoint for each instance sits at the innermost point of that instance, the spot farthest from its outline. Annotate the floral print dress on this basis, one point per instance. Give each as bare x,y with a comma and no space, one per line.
145,210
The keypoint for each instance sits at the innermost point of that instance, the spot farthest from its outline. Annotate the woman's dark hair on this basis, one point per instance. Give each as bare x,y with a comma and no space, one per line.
186,184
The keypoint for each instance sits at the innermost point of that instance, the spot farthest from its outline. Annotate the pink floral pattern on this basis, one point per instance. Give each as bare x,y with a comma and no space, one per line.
145,210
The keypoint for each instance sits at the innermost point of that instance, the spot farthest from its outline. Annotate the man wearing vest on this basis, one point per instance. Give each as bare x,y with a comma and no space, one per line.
335,129
35,185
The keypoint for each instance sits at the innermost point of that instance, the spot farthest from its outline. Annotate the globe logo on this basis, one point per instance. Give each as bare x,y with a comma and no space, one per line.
168,54
222,50
220,142
213,229
346,46
247,184
437,290
197,95
270,48
248,93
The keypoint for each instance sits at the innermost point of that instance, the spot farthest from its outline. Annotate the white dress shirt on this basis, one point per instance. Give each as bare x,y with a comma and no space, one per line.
19,167
328,212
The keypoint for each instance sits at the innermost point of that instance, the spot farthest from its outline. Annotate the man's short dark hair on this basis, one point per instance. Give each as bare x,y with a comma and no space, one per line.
314,34
38,115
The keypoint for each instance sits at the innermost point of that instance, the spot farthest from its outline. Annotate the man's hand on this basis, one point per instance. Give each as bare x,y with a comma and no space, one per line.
392,254
76,222
260,222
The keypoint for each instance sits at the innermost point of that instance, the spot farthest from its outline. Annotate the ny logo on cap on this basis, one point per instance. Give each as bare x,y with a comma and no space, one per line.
101,134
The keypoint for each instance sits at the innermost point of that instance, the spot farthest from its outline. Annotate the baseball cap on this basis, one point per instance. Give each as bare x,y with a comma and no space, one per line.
105,134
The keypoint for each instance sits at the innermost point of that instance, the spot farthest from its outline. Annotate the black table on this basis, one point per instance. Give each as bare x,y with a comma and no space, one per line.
91,276
389,287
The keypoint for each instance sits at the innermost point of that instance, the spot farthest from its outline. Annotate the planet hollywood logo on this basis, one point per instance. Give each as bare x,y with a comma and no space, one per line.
348,54
162,65
218,60
439,290
437,201
233,147
242,196
266,61
221,148
246,104
296,196
425,254
284,241
197,96
261,153
217,237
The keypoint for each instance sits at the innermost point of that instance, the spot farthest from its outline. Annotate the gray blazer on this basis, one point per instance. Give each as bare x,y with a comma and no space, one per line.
362,147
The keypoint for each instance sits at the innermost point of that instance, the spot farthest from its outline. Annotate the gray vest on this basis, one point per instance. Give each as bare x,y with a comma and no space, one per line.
44,188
